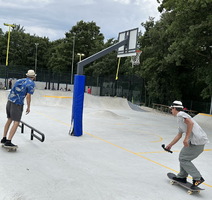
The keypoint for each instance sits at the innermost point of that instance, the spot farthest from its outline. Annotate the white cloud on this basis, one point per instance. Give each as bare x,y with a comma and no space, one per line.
52,18
20,4
123,1
48,32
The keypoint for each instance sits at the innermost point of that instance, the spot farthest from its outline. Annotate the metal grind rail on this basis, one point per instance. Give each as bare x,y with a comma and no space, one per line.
40,136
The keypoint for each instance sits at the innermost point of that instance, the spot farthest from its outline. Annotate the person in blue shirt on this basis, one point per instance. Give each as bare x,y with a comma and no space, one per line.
14,108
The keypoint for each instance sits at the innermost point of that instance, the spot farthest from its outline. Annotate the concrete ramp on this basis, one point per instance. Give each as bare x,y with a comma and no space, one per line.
105,102
205,121
64,99
3,98
52,98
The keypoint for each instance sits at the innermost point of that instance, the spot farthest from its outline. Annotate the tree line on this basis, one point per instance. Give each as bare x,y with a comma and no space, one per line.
176,51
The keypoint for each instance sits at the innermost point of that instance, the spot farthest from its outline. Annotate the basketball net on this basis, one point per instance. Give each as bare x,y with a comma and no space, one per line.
135,60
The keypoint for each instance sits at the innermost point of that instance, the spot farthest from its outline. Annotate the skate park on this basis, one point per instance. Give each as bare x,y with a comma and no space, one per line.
118,157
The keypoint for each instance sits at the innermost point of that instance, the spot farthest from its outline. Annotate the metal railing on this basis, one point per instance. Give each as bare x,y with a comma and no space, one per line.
40,136
166,109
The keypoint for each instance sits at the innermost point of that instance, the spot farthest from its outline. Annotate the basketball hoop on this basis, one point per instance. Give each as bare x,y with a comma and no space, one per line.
135,60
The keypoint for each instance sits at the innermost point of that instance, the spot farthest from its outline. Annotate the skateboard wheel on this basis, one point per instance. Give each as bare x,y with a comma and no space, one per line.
172,182
189,192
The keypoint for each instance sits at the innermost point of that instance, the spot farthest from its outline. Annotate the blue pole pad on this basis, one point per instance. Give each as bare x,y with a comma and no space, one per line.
77,106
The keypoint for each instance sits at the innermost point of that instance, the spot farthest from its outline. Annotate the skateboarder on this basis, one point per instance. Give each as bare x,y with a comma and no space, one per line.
194,142
14,108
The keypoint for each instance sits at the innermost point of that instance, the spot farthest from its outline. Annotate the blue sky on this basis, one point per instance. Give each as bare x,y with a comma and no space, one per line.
53,18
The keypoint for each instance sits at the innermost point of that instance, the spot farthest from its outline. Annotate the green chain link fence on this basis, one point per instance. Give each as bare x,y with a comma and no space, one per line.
130,87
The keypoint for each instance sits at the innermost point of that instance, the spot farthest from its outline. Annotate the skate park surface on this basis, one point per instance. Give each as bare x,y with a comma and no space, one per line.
118,157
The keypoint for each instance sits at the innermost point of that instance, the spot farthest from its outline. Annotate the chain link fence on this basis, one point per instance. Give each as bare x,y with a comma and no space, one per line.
130,87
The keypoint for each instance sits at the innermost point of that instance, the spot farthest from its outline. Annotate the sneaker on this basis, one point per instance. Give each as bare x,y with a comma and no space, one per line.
4,139
182,180
8,143
197,182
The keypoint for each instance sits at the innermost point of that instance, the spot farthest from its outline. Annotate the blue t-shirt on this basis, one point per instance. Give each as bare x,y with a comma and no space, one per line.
20,90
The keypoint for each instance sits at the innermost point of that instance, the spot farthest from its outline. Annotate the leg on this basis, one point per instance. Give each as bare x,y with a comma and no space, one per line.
14,113
183,173
7,126
9,119
188,154
13,130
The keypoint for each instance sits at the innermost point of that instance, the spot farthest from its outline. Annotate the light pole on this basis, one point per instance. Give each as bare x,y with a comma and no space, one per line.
8,41
8,46
72,63
80,56
36,56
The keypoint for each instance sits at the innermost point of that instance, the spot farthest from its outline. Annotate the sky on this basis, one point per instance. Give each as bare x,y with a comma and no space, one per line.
53,18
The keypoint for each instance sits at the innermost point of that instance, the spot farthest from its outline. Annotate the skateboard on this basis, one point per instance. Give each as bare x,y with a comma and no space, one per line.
185,185
8,148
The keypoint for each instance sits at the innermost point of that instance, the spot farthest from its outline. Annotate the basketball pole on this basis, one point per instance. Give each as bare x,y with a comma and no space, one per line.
81,64
79,88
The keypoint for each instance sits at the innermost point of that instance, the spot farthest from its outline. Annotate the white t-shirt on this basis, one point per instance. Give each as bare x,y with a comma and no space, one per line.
198,136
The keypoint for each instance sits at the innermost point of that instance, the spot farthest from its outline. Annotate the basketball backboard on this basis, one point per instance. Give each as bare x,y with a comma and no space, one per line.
130,48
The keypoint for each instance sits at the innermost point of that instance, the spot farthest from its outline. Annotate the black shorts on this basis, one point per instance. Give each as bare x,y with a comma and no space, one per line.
14,111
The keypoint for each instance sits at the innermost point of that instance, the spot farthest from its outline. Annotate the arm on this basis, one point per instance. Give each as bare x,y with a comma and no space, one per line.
174,141
189,124
28,100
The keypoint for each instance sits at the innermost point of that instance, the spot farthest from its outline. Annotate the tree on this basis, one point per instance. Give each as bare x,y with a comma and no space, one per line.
88,40
22,49
158,74
3,46
57,61
192,29
176,58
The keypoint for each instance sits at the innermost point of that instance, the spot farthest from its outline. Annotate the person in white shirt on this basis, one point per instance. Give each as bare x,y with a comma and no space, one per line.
194,142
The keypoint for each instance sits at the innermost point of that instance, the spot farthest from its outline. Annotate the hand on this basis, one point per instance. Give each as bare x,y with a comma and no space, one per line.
186,143
168,147
27,111
163,146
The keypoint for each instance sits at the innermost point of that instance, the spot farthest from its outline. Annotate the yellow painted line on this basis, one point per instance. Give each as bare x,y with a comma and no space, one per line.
165,151
53,119
132,152
60,97
205,114
127,150
124,124
207,149
154,152
137,154
145,132
160,138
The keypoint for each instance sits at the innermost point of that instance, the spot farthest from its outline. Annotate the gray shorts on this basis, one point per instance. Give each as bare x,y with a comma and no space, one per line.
14,111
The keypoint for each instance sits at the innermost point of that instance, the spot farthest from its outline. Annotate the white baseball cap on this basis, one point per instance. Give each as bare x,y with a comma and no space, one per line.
176,104
31,73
